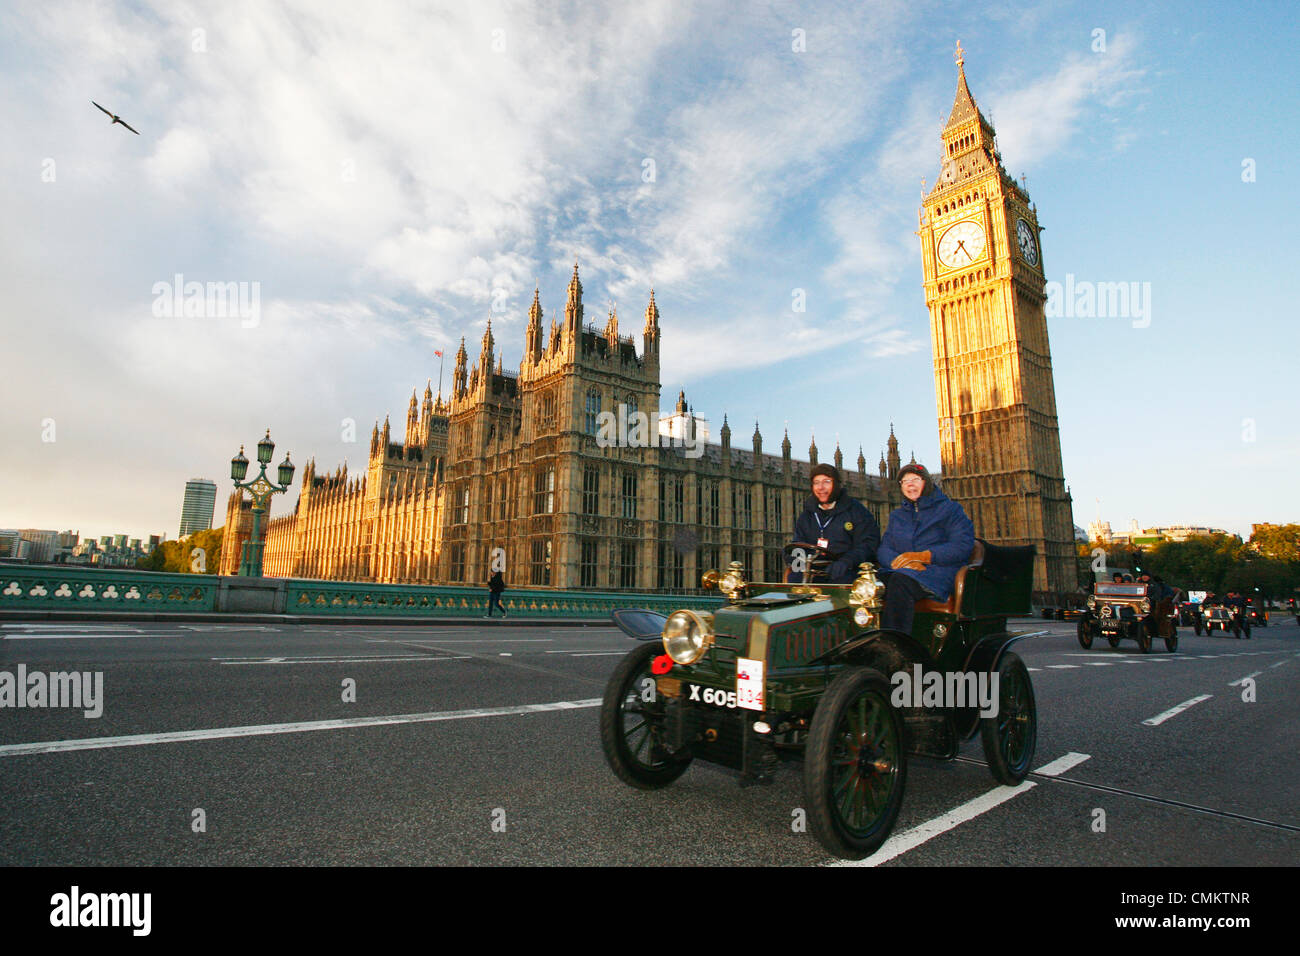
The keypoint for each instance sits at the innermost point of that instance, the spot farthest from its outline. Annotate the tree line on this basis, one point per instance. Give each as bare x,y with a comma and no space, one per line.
179,557
1269,562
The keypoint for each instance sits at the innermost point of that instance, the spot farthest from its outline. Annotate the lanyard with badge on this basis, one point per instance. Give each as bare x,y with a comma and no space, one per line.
821,528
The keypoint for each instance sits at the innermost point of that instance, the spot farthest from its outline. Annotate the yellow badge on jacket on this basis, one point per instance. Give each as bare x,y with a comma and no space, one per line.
848,526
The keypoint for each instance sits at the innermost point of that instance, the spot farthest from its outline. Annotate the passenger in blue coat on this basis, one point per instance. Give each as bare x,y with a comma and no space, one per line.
849,532
928,540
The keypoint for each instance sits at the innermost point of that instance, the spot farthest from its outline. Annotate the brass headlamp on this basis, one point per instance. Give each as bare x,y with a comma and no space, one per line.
867,596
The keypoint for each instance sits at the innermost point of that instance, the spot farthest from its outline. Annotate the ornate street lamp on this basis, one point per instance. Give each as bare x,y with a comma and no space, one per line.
261,489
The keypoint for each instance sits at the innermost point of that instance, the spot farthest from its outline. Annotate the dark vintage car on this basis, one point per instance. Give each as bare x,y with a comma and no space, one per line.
1189,615
1218,617
1257,616
804,671
1129,611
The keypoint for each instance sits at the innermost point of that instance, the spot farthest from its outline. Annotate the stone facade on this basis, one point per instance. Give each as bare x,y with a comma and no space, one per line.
984,284
512,461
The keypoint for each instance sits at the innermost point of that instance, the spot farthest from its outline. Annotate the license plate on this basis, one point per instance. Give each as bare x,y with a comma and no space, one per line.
710,695
749,683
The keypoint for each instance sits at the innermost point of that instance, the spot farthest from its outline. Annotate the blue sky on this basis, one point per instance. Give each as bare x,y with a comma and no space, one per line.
390,177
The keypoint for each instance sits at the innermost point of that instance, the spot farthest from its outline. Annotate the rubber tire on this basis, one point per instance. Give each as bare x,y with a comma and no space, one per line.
1171,642
1143,637
1196,625
642,774
1085,634
826,736
1112,640
1015,706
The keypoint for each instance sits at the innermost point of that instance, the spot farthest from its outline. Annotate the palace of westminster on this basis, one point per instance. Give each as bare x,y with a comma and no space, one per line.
512,460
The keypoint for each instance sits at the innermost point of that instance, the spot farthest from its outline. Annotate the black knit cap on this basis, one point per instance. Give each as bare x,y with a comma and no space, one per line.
831,472
919,470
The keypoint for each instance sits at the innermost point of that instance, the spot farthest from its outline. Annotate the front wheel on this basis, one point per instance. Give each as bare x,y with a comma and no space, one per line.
1112,639
1085,634
1009,736
1196,626
1143,637
855,766
632,724
1171,642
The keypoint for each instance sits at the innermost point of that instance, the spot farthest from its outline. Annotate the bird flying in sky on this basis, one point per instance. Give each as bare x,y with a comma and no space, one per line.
116,119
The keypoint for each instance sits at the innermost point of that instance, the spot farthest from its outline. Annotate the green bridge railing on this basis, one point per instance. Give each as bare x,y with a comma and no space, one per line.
48,588
74,588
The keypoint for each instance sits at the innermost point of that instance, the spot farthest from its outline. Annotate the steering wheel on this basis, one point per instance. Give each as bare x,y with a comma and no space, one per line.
816,561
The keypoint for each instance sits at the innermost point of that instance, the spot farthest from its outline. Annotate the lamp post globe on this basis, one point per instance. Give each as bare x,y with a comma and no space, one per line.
260,489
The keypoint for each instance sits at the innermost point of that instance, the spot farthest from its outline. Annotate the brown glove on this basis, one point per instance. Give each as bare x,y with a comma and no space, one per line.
907,558
914,565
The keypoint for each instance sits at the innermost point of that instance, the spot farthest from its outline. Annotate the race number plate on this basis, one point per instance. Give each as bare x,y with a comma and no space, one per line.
749,683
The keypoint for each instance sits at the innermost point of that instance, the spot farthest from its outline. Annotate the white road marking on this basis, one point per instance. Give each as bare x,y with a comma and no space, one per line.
70,627
1175,711
228,627
903,842
1100,663
1062,764
67,637
341,660
595,653
257,730
1242,680
1033,669
483,640
1063,667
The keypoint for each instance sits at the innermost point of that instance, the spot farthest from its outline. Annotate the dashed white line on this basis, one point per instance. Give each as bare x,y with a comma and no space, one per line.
1062,764
1175,711
1242,680
341,660
257,730
903,842
1063,667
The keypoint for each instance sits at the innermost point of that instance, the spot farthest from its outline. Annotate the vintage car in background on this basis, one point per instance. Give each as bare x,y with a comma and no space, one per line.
804,671
1218,617
1257,615
1189,615
1129,611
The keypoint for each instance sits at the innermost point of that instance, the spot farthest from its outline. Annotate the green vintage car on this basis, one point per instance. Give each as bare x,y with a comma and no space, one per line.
804,671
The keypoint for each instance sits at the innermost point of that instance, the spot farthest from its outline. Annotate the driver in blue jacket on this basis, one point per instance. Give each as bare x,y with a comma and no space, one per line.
927,541
838,524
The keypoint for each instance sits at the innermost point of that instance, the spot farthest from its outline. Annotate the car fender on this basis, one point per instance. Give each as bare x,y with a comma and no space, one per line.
987,654
885,651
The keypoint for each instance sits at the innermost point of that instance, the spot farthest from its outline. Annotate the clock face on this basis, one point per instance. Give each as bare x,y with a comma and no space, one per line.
1028,244
961,245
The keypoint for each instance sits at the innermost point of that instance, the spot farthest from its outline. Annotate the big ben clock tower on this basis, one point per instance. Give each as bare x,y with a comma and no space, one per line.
984,285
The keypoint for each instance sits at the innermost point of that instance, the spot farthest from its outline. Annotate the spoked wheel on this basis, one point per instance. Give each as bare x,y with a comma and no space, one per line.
855,766
1085,634
632,724
1144,637
1010,735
